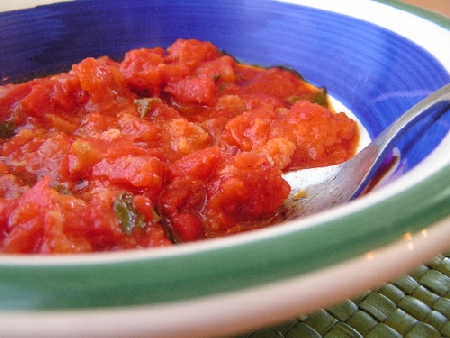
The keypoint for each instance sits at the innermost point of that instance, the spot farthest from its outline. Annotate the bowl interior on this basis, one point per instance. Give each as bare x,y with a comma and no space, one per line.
373,71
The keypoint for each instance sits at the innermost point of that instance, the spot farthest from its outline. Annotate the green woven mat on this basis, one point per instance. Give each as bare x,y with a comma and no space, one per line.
416,305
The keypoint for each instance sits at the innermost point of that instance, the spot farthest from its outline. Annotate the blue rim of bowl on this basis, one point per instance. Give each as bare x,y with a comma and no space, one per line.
230,264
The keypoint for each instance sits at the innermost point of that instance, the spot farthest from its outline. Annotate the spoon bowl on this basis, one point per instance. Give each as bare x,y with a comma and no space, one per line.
318,189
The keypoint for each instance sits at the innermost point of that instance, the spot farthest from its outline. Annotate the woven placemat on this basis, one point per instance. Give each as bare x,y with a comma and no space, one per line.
416,305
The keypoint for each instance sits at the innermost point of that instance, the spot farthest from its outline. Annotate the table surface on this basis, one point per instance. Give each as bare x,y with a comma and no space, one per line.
439,6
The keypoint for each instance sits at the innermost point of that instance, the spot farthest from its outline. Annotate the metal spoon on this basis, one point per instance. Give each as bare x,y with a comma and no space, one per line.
318,189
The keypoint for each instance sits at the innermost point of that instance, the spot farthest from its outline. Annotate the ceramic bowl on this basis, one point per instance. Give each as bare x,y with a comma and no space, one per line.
376,58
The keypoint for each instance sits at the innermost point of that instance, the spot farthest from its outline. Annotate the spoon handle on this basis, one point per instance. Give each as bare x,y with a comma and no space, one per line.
384,142
410,117
330,186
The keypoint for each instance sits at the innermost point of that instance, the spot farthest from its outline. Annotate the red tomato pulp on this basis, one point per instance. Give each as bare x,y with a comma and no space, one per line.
163,147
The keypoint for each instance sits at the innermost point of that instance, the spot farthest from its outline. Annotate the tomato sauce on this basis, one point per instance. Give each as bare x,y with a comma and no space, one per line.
162,147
